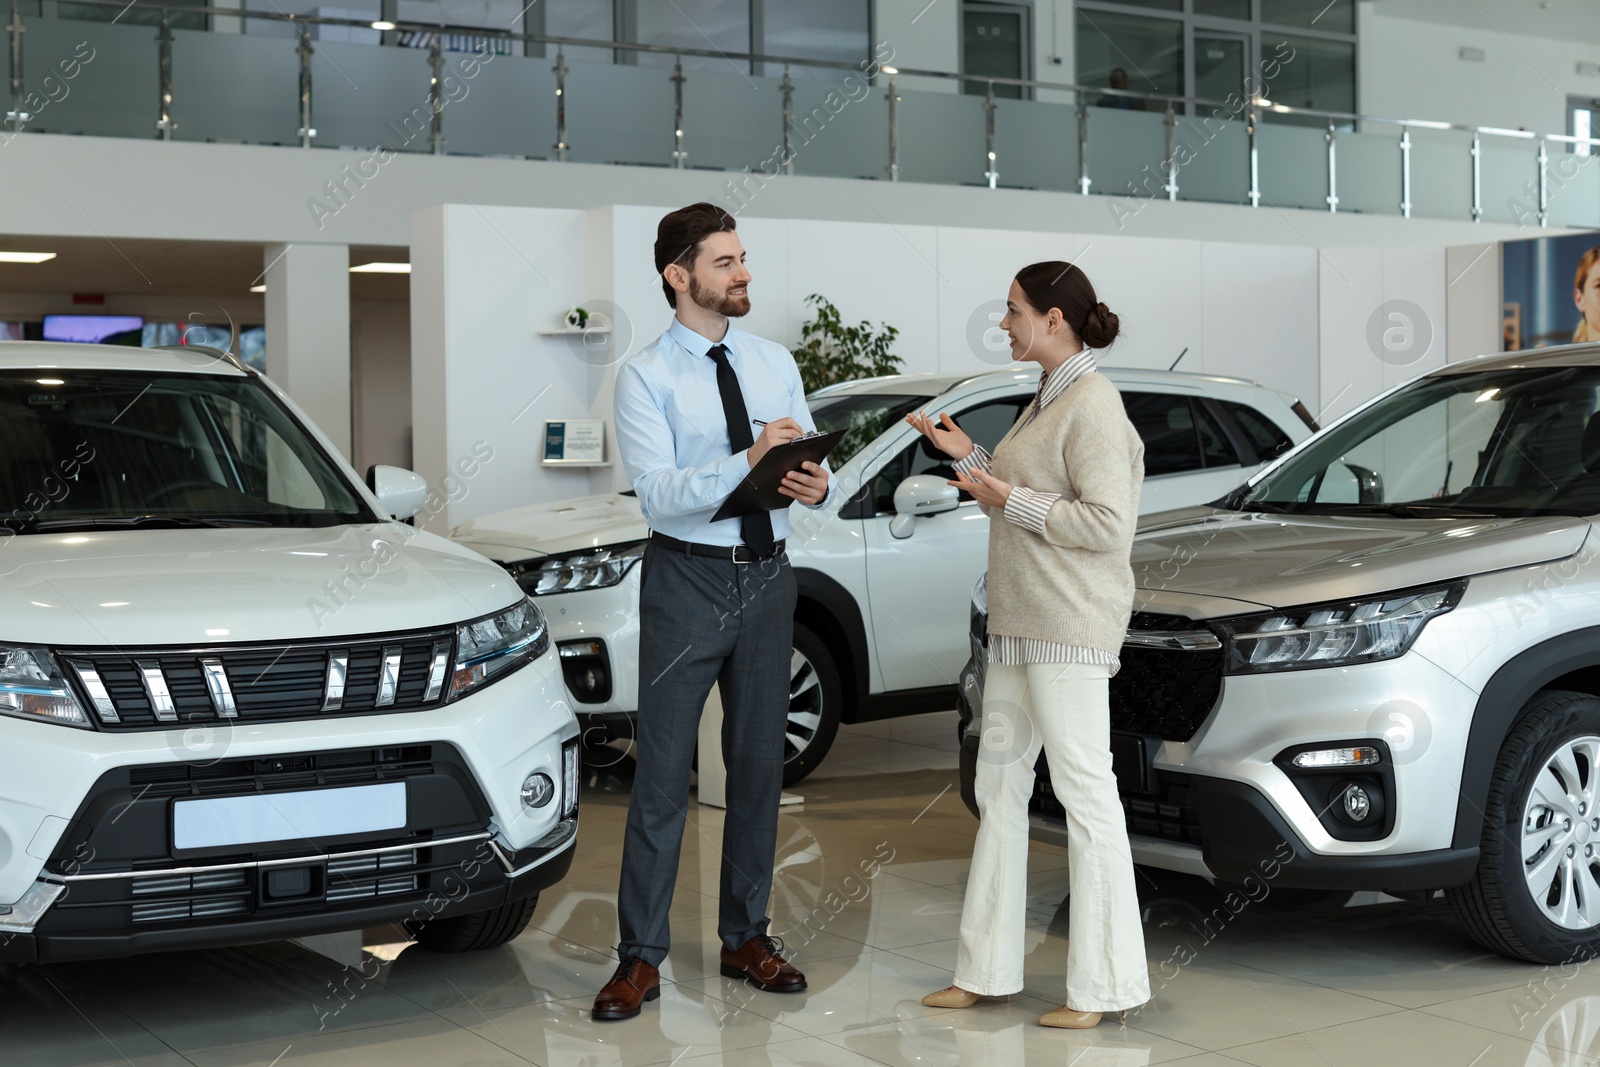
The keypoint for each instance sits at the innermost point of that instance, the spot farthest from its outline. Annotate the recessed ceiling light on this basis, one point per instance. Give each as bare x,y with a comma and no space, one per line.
383,24
258,288
51,381
382,268
26,257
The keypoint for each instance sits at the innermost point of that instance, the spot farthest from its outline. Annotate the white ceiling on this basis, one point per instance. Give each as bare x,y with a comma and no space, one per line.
1565,20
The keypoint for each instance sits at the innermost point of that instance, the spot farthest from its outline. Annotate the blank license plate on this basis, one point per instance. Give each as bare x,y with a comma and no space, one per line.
310,813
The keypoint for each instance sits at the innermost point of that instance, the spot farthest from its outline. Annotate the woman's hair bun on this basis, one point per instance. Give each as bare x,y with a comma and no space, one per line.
1100,328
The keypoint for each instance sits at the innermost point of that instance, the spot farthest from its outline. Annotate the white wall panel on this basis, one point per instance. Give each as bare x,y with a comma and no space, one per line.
1260,312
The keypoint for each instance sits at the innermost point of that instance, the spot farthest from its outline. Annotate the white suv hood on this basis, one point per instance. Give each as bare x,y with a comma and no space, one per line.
226,586
551,529
1280,561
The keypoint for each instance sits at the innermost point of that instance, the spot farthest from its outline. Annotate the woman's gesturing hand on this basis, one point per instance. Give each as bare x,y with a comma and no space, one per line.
946,436
986,489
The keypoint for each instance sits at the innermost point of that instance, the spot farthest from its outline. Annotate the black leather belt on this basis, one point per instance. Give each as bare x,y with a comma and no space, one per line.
734,553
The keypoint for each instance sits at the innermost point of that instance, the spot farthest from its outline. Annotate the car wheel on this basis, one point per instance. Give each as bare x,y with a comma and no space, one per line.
1536,892
480,930
814,699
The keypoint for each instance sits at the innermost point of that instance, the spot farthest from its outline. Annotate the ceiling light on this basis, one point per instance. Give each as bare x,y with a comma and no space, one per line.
382,268
383,24
26,257
51,381
890,70
258,288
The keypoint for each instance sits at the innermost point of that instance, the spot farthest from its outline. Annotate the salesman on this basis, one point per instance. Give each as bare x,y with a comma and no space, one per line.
716,601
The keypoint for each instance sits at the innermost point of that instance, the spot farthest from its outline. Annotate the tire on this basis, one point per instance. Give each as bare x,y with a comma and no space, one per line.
815,700
478,931
1546,909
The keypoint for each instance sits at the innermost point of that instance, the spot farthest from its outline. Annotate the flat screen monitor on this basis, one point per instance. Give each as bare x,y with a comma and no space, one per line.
94,329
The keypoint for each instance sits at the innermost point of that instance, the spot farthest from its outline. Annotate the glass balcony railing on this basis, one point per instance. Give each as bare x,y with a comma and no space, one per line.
467,91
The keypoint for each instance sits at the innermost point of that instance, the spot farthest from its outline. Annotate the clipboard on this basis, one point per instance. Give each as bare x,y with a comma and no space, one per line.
759,489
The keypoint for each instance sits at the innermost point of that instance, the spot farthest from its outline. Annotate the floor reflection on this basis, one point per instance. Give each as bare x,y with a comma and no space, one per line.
867,894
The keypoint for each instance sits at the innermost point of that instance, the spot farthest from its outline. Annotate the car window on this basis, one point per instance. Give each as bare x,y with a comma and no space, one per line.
985,424
1178,433
1265,436
1514,441
104,448
1215,447
863,416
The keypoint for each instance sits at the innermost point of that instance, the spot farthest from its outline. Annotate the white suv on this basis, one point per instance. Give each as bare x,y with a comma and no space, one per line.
884,579
238,700
1377,665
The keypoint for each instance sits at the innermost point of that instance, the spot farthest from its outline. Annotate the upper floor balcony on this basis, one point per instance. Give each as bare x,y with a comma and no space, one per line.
396,87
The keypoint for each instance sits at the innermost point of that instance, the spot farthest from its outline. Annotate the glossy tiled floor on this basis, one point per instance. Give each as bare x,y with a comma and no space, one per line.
1363,986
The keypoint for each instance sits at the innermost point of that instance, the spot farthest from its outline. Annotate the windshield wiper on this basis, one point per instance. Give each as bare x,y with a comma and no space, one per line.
1416,510
140,522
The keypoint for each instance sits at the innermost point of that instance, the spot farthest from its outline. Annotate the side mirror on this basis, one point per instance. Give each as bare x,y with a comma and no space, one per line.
400,492
921,494
1369,484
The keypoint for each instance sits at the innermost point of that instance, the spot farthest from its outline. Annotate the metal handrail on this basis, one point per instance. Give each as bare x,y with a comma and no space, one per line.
828,64
1250,110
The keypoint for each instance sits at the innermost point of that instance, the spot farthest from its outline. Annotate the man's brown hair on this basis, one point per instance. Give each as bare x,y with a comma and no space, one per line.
679,235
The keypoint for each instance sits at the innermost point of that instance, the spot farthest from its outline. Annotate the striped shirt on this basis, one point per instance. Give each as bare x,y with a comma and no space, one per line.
1028,509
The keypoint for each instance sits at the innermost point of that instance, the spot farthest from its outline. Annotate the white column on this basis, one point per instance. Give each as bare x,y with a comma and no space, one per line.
308,331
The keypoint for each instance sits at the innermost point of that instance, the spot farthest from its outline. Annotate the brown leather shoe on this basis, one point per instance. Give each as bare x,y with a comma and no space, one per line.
634,983
760,961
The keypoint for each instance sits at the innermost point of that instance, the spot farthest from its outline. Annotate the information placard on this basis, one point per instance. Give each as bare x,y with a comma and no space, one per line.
575,441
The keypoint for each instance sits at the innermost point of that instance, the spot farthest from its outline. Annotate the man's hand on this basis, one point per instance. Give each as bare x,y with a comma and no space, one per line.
809,484
986,489
774,433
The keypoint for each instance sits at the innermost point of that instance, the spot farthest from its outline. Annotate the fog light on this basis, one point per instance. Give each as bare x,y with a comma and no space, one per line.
537,790
1357,804
1362,756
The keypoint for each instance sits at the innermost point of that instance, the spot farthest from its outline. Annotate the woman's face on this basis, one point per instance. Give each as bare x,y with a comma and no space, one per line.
1029,331
1587,299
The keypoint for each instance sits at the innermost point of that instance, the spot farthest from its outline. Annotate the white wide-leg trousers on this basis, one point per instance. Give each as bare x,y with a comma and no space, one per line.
1064,708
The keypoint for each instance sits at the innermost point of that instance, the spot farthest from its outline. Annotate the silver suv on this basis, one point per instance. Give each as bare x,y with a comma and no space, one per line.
1376,666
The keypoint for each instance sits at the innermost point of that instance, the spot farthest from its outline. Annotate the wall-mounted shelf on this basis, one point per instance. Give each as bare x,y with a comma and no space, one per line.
572,463
574,331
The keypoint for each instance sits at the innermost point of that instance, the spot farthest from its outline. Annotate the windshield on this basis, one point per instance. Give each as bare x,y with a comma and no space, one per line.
1503,442
110,450
863,416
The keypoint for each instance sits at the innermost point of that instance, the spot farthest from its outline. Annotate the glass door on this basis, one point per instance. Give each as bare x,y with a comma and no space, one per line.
1221,61
995,43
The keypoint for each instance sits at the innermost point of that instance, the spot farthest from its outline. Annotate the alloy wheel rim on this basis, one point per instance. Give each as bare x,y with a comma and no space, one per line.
1561,835
805,707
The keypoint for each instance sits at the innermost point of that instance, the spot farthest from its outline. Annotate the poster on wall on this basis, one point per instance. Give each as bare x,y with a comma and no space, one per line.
1550,291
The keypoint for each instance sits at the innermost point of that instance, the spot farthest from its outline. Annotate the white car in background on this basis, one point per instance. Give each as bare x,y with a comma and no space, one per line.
880,629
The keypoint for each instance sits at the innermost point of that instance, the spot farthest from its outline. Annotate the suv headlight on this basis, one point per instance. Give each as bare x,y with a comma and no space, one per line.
1334,635
592,568
495,645
32,687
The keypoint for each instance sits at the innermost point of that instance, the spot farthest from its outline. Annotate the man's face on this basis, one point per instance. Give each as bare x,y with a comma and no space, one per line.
717,280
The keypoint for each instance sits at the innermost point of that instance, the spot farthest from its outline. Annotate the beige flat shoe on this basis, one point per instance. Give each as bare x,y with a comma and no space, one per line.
1069,1019
955,997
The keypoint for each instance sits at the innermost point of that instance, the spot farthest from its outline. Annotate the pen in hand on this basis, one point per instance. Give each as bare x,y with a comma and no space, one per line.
759,422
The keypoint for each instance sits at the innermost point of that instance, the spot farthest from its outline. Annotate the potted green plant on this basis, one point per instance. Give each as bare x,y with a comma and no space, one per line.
831,351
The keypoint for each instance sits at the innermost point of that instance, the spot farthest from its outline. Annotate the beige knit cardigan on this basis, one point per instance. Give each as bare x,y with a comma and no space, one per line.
1073,585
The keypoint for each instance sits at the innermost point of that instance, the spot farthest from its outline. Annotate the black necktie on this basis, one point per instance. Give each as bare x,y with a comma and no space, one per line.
756,530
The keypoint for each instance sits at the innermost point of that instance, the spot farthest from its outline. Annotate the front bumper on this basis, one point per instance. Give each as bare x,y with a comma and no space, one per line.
1222,805
88,859
609,616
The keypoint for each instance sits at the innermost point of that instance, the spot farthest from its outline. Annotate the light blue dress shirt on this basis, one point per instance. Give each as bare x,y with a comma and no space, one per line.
672,435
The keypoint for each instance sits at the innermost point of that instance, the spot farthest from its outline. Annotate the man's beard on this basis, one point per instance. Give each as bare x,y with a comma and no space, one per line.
723,304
